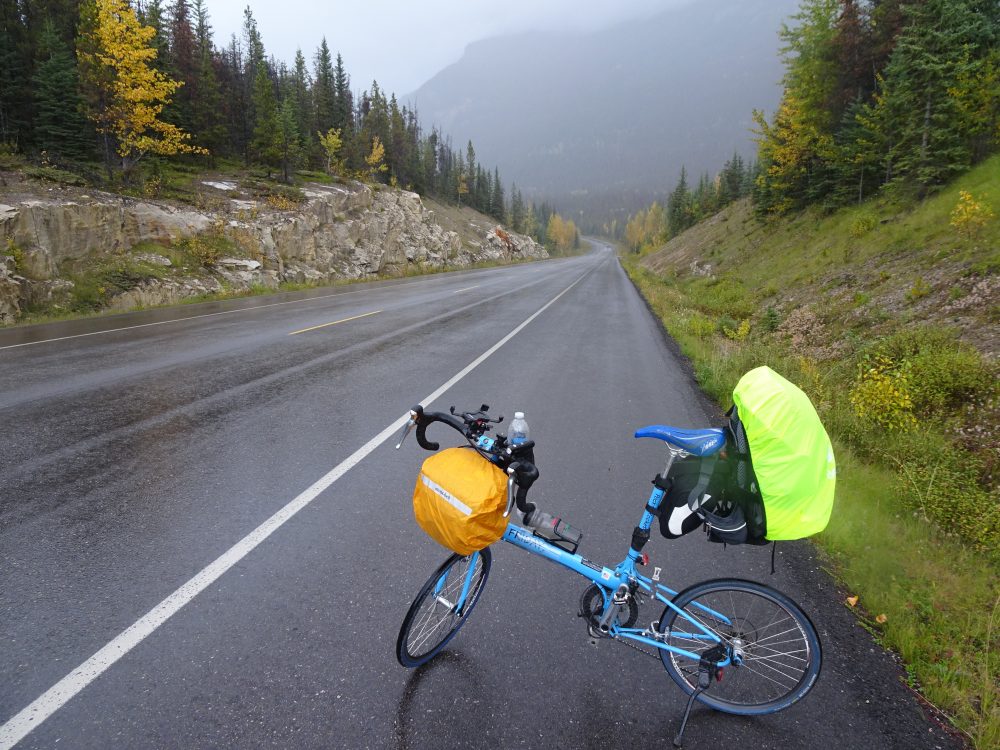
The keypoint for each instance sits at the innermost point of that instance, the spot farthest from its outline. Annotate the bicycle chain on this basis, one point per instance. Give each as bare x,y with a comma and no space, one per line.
641,649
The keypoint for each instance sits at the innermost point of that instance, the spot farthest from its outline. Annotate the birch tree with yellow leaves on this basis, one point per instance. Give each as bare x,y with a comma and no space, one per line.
126,94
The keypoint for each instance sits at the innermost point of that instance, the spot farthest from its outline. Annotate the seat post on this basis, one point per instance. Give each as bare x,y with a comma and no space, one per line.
673,454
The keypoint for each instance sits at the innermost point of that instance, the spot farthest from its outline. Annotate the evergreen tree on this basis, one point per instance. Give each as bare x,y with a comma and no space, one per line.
15,99
184,63
151,14
498,208
916,113
679,215
289,139
343,104
517,211
267,143
305,120
60,127
324,96
206,103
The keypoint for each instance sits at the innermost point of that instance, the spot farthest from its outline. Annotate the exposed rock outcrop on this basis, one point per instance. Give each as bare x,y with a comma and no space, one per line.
350,230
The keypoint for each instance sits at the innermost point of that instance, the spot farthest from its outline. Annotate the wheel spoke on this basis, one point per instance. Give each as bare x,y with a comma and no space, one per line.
773,645
433,617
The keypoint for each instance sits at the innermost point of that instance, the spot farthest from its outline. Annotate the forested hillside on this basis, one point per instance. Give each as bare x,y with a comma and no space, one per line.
880,97
859,256
113,93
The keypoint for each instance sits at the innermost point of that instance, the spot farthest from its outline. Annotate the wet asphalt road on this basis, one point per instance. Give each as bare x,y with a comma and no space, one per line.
131,459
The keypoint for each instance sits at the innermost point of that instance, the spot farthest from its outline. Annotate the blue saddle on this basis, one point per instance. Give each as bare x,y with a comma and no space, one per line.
697,442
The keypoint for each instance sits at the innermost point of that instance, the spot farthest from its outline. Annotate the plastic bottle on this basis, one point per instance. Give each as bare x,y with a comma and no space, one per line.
518,432
553,528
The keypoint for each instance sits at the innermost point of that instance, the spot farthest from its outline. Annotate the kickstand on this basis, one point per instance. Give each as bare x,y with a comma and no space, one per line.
707,668
704,680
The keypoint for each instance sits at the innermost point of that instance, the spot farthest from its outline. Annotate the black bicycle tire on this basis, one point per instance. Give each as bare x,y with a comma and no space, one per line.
403,654
809,675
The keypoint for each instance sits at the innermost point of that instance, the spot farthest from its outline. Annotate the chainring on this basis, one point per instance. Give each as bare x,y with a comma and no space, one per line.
592,607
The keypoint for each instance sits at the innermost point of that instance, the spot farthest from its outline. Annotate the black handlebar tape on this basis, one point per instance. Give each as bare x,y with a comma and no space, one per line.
422,440
526,474
521,499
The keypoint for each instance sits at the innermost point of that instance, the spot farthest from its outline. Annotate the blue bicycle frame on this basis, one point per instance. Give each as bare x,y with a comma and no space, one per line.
608,580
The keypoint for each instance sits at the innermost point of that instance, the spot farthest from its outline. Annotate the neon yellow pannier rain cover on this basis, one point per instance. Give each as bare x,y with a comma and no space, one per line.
790,452
459,500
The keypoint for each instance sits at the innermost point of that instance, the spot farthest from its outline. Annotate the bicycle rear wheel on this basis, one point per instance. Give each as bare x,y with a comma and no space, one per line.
435,615
778,654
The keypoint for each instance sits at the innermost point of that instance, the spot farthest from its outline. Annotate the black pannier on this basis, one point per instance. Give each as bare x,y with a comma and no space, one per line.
718,487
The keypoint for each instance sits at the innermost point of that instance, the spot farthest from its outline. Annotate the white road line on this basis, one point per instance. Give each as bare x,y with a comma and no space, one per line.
459,291
18,726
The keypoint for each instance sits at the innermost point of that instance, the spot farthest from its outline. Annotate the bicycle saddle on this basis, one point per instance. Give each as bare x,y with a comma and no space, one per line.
703,442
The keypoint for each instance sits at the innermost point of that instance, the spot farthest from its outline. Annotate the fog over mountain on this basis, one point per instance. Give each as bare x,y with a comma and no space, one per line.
606,119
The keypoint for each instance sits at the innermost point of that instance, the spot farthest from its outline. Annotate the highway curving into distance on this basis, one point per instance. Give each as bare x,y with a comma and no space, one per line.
206,537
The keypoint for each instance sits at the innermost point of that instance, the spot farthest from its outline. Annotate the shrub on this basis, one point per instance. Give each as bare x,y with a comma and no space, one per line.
17,254
723,296
881,394
771,320
969,215
918,290
863,225
739,333
700,327
204,251
944,373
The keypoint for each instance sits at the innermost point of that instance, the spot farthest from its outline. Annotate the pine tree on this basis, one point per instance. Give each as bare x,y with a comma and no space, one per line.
916,113
15,99
60,127
151,14
498,208
267,145
289,140
517,212
207,105
184,64
305,118
343,103
679,206
324,94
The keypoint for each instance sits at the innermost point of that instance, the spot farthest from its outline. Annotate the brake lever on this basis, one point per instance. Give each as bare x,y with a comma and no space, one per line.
406,429
511,483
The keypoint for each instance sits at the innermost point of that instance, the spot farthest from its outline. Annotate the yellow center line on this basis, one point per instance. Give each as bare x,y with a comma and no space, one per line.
466,289
324,325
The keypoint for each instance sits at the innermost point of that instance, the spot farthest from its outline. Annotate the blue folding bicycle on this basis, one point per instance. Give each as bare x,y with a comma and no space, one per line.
737,646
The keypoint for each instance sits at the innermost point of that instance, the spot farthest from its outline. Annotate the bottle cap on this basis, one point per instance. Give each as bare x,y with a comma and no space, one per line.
519,415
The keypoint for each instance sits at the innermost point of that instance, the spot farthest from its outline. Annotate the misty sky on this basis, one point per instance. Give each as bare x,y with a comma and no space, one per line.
402,43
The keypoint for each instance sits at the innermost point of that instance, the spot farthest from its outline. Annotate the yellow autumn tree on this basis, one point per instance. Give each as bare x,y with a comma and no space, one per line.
561,233
127,95
331,143
374,160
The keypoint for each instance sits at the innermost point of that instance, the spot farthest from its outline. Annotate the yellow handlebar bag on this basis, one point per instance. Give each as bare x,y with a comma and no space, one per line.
459,500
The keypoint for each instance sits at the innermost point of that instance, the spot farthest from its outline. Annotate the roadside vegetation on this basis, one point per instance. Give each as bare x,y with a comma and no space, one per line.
886,315
859,256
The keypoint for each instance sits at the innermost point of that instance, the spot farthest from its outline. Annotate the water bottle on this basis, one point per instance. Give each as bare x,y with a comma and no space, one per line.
554,529
518,432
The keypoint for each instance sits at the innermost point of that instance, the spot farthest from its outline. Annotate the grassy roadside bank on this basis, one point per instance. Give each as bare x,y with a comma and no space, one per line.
921,592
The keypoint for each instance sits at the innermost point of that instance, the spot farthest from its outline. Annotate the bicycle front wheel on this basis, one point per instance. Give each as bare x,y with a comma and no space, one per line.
775,650
442,607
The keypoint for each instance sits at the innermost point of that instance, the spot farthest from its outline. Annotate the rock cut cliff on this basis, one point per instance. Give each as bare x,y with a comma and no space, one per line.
340,231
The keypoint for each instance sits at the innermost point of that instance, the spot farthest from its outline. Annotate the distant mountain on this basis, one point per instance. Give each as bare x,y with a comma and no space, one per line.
608,118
